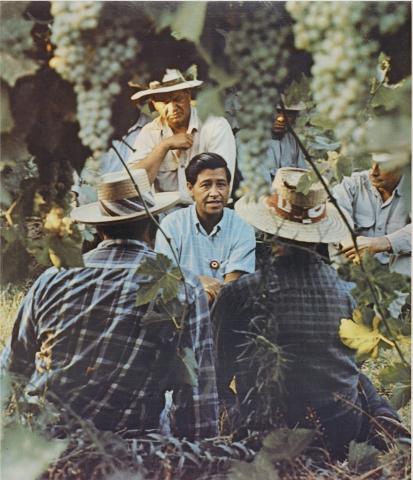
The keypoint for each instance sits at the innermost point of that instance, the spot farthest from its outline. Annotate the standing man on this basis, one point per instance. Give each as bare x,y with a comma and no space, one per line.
375,201
80,336
283,150
293,308
165,145
210,240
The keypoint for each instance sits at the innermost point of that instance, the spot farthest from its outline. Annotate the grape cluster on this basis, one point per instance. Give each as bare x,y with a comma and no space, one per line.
57,223
335,33
259,51
92,53
391,15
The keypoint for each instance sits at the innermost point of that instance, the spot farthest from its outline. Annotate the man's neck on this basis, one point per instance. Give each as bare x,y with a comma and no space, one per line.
210,221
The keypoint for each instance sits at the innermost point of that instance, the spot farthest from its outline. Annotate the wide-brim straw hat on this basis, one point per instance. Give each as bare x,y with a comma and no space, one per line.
293,107
172,81
289,214
119,202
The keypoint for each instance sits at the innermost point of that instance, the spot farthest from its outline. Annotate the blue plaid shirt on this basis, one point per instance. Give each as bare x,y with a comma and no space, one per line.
304,299
231,243
78,335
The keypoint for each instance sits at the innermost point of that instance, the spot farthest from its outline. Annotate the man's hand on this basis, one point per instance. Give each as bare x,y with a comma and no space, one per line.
179,141
211,286
371,245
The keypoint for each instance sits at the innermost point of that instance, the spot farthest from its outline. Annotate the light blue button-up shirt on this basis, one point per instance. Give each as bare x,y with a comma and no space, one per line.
375,218
230,245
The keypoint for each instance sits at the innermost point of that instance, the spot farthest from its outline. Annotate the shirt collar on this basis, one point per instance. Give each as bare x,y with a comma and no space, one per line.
132,244
193,124
198,226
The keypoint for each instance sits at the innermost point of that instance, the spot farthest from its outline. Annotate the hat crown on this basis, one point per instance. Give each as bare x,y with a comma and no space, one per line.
118,185
285,185
173,75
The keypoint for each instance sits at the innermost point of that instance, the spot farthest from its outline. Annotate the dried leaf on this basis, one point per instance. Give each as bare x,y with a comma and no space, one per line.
362,457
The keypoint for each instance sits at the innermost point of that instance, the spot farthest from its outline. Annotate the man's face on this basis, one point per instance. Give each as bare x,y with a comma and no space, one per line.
279,127
386,180
210,192
174,107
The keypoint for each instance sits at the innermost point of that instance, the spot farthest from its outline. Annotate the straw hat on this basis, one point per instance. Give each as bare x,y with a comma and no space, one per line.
290,214
118,200
172,80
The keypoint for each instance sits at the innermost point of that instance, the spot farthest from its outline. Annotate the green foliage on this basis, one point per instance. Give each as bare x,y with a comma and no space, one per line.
187,367
65,252
306,181
6,120
209,102
189,30
163,280
362,457
286,444
399,376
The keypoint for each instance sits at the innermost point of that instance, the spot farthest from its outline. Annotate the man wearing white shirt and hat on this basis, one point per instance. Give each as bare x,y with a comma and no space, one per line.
374,200
165,146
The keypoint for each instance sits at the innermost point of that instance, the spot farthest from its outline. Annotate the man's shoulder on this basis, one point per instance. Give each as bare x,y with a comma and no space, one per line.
234,220
177,216
152,125
215,122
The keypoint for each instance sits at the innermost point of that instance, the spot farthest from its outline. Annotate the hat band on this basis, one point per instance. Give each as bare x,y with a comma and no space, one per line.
295,213
169,83
126,206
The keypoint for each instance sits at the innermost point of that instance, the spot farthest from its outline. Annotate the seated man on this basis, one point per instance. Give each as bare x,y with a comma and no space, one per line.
165,145
294,307
283,150
80,337
208,239
375,201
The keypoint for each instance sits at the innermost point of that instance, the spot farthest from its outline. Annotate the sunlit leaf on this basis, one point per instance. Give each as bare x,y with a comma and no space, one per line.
163,279
361,338
396,373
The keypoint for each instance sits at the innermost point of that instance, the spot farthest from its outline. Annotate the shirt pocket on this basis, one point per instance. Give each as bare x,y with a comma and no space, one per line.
169,164
364,220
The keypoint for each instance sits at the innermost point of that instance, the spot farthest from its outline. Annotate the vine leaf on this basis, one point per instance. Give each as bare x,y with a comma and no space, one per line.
159,312
395,308
163,277
354,334
189,30
185,367
65,252
209,102
362,457
286,444
399,375
306,181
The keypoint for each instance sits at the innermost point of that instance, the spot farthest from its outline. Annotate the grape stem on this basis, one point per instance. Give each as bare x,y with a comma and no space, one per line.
153,219
353,235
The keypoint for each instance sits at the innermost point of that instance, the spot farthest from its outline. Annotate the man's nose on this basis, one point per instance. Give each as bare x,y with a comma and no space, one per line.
214,192
375,170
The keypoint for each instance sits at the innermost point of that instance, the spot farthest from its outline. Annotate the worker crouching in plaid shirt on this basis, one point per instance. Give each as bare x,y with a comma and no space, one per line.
78,333
294,307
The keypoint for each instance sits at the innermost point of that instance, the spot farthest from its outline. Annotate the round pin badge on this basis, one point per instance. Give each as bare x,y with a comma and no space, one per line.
214,264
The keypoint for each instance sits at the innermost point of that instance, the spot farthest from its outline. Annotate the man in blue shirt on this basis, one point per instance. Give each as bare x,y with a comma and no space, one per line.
80,337
210,240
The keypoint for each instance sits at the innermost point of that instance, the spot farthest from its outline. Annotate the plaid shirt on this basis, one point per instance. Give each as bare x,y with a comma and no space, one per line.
305,299
78,335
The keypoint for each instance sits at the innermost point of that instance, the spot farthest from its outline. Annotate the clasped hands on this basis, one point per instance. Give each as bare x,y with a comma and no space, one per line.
365,245
211,286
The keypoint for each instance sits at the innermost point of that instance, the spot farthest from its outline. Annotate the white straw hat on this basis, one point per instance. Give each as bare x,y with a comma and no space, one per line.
297,107
172,80
290,214
118,200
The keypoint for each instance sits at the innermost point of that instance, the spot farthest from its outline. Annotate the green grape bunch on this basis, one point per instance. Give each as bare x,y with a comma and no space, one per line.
258,48
92,52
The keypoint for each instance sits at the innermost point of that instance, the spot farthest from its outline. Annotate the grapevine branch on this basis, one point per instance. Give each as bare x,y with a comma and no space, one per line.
153,219
353,235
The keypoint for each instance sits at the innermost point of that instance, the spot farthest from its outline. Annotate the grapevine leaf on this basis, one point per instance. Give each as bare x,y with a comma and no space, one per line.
191,366
396,373
13,68
161,312
323,143
17,261
189,30
385,97
322,122
28,454
286,444
163,279
262,468
361,338
401,396
395,308
209,102
6,121
65,253
362,457
13,150
305,182
40,250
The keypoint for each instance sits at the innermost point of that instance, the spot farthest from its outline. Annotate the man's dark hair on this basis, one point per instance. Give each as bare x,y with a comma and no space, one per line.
201,162
128,230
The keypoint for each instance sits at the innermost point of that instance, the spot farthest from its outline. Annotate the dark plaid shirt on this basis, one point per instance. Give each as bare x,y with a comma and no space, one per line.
78,335
305,299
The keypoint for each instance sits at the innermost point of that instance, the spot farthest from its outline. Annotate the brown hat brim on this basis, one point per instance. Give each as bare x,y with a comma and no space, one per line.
91,213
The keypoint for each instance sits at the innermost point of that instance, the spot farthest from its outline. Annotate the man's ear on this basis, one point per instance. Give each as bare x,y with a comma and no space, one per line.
189,186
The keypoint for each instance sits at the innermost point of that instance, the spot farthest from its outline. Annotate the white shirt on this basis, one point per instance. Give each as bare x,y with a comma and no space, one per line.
214,135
